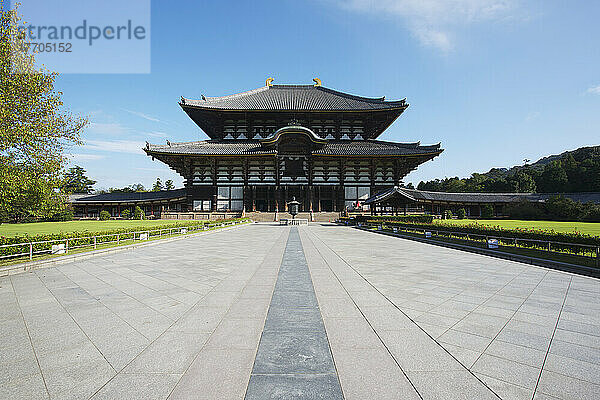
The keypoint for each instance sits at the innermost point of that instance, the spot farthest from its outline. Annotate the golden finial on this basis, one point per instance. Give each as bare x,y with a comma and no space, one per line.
269,82
317,82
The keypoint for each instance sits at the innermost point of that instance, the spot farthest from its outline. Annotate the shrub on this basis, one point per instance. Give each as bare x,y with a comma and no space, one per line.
447,214
487,211
104,215
526,210
138,213
519,233
424,219
86,237
461,213
126,214
63,215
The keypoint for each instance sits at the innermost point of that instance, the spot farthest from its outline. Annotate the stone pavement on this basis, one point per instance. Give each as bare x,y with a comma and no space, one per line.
323,312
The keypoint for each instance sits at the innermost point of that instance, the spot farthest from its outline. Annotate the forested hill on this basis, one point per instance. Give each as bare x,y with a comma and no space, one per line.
571,171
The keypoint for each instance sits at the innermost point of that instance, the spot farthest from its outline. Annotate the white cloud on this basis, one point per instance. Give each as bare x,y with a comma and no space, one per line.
594,89
108,128
85,157
432,22
142,115
532,116
156,134
115,146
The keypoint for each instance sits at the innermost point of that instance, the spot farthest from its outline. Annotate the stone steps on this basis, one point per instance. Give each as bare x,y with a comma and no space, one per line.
270,216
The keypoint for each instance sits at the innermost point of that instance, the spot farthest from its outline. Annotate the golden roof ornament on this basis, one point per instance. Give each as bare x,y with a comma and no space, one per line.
317,82
269,82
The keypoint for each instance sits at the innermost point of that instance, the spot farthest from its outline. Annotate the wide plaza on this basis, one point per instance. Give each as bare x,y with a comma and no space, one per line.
312,312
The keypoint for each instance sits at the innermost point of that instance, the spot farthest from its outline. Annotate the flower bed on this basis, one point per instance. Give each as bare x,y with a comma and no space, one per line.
423,219
88,238
497,231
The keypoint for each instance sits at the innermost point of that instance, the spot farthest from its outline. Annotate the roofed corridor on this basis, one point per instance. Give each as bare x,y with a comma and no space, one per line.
205,316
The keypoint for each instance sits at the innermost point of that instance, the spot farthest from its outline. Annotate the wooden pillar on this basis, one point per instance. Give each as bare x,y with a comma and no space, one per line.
318,199
334,200
215,189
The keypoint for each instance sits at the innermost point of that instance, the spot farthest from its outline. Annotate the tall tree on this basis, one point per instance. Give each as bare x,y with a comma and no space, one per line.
554,178
169,185
77,182
157,185
35,130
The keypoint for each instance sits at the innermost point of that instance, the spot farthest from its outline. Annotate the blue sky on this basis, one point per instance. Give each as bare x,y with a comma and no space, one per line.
495,81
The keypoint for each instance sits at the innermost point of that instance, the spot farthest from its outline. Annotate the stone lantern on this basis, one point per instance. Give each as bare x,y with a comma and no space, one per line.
294,207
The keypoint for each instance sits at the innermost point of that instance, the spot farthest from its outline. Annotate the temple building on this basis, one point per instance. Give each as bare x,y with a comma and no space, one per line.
278,142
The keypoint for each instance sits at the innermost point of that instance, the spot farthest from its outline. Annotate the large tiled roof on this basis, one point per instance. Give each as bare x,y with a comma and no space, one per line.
129,197
294,97
421,195
333,148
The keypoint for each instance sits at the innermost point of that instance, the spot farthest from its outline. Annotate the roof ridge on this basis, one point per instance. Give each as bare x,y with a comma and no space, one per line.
378,100
229,96
374,100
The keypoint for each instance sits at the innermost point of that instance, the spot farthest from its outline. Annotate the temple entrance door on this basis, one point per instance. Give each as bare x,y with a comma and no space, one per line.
262,199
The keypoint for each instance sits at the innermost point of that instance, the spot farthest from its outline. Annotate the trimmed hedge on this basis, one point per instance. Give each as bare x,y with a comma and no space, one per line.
423,219
125,234
519,233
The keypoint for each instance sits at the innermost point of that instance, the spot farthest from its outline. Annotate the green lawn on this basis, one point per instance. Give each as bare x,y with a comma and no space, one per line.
40,228
590,228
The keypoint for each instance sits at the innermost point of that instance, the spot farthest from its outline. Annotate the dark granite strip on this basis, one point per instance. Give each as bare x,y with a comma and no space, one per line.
293,359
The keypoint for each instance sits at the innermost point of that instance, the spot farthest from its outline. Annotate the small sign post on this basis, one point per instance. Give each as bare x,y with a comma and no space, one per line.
492,243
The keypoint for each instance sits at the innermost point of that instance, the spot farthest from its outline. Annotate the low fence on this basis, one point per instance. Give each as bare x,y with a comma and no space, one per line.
29,250
294,221
589,253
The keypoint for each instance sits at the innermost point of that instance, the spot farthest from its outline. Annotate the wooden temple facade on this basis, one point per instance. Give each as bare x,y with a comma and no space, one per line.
279,142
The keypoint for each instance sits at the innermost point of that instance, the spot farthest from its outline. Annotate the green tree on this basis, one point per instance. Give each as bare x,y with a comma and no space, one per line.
77,182
157,185
126,214
554,178
169,185
487,211
104,215
138,213
35,129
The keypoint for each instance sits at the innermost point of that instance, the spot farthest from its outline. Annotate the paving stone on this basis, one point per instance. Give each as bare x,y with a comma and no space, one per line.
200,319
572,367
305,386
216,374
386,318
465,340
351,333
378,377
281,319
465,356
416,351
520,354
138,386
524,339
583,353
565,387
450,385
293,352
578,338
172,353
507,370
507,390
82,314
29,388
